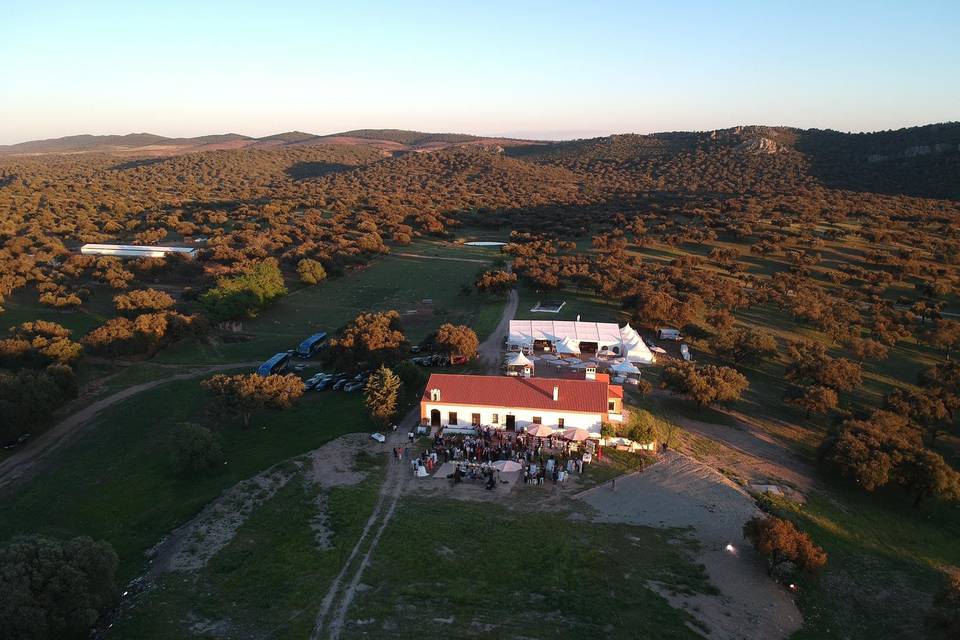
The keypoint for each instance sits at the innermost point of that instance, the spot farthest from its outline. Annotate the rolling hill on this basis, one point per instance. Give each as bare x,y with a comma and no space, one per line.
148,144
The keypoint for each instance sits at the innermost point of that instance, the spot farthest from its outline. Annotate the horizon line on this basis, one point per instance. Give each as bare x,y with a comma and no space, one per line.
550,135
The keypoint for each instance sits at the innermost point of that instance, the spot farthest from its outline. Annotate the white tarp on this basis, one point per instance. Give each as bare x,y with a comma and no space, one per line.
624,367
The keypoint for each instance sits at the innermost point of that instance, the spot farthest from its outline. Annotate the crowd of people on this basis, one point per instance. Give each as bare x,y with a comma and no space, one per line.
541,459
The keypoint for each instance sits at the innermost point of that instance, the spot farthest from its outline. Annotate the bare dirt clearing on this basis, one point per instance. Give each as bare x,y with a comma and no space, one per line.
192,545
681,492
748,451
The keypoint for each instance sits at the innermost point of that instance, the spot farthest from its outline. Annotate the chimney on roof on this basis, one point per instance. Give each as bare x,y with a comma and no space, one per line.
556,393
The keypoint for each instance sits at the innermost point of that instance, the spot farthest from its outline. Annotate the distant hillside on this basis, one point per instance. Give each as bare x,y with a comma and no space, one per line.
289,137
409,138
119,144
920,161
73,144
148,144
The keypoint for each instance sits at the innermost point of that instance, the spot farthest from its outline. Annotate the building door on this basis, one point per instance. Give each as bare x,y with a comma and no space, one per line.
435,418
511,423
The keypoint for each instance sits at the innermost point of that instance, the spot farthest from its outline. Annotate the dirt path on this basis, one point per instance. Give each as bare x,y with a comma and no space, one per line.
451,259
749,452
491,350
23,463
680,492
190,546
339,597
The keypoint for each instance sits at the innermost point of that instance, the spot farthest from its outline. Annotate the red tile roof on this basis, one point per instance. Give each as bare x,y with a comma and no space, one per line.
523,393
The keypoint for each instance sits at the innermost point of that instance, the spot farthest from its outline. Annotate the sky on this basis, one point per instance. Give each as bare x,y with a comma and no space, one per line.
522,68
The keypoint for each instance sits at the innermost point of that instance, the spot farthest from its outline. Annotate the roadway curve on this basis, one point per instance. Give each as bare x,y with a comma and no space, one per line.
24,462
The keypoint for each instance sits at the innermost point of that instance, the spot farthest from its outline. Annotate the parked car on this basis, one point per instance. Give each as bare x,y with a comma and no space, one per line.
353,386
339,384
379,437
317,379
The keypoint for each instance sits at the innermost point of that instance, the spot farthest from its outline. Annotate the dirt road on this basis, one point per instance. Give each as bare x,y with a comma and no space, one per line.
491,350
750,452
21,464
450,258
332,614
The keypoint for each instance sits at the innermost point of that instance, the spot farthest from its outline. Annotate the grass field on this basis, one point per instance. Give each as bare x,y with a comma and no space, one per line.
458,569
394,282
116,482
268,581
883,562
589,307
22,306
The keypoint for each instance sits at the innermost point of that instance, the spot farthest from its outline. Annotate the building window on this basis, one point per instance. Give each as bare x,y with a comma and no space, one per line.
475,419
560,423
495,418
452,418
537,420
611,406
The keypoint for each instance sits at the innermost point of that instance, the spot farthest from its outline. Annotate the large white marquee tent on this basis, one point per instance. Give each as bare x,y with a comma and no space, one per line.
568,335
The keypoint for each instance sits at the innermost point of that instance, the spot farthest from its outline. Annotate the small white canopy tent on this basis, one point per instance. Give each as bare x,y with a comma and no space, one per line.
568,347
519,360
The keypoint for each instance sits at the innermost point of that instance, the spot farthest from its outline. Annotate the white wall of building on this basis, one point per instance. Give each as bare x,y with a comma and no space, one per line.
524,417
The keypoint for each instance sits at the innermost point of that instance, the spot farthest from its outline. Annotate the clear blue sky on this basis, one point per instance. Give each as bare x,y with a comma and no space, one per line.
541,69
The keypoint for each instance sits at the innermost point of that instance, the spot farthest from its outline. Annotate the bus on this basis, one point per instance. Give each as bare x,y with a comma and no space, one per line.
276,364
311,345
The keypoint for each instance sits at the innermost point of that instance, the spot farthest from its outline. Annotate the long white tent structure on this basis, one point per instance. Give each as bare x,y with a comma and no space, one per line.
601,336
135,251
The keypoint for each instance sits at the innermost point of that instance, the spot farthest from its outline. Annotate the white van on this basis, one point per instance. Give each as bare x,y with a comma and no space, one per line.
669,334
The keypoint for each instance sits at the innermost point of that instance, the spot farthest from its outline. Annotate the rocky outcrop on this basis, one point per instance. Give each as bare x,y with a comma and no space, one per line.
761,145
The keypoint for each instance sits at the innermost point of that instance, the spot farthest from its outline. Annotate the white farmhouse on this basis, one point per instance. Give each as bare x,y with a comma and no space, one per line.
516,403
